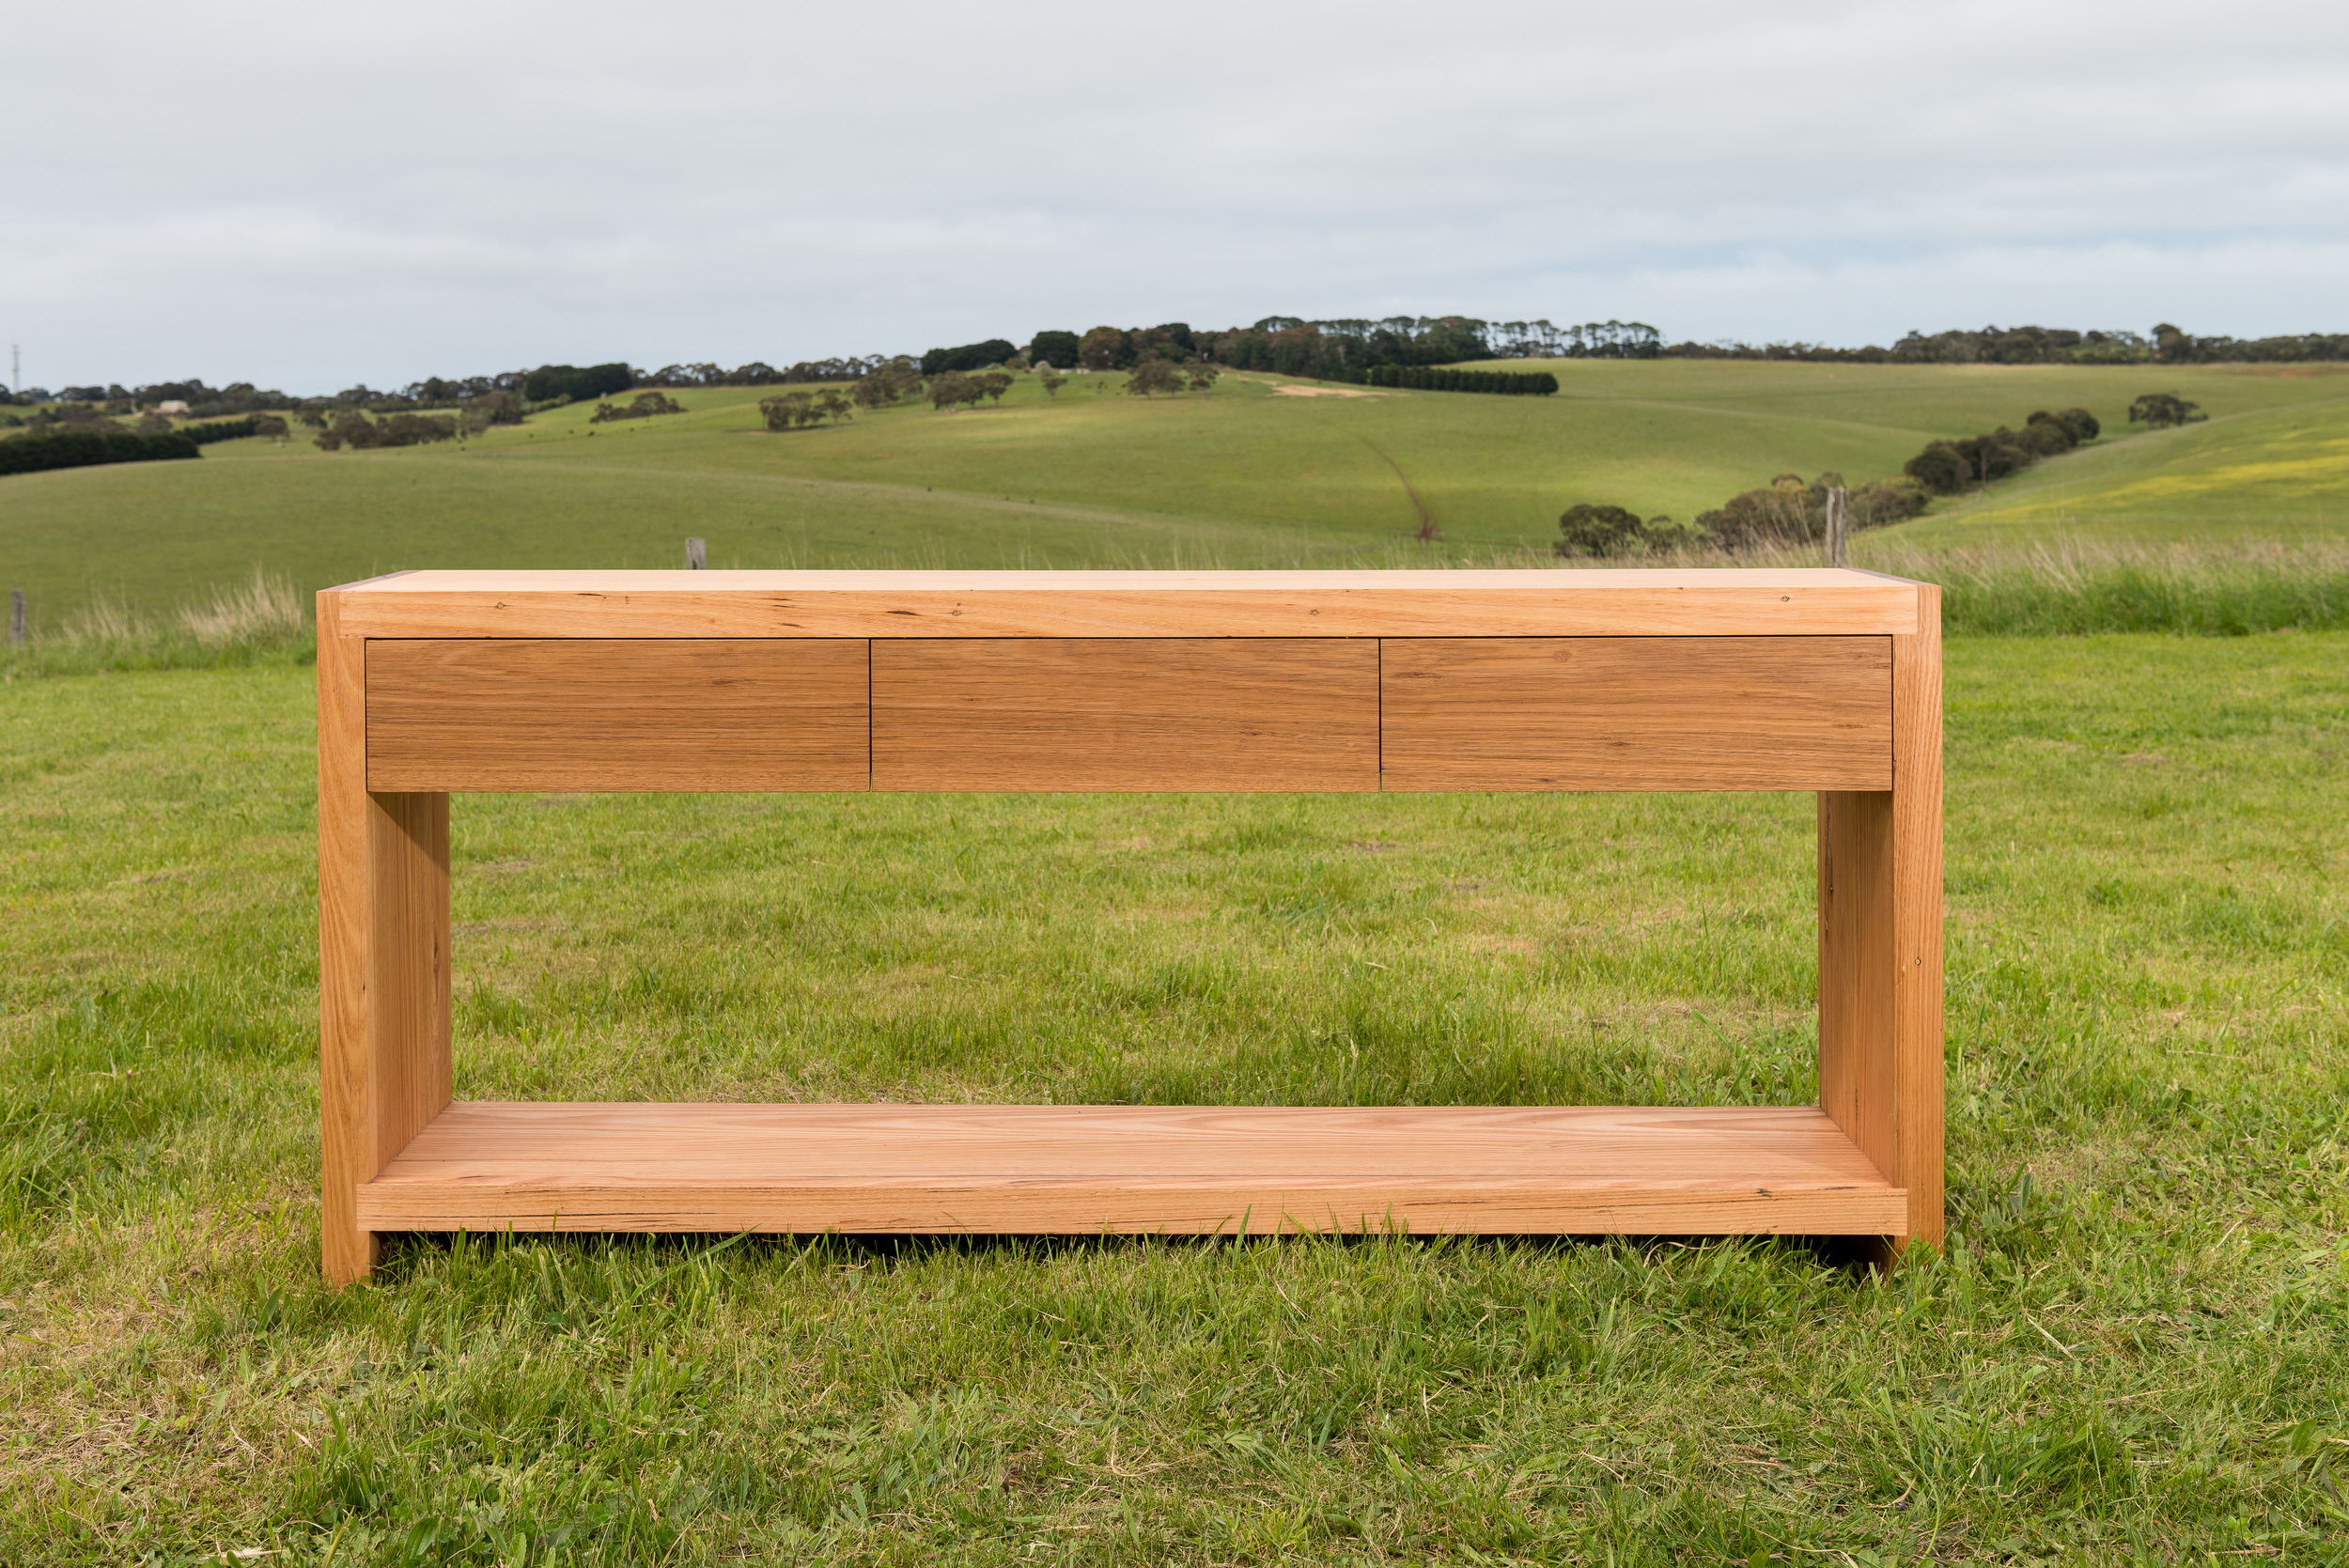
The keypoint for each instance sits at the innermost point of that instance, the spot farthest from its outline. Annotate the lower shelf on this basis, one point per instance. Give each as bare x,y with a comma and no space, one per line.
1178,1170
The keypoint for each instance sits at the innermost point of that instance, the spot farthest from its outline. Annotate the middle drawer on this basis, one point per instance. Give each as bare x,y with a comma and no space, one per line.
1205,713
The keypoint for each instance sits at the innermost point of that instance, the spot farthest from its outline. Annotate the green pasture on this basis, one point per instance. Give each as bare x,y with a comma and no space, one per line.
1246,475
2136,1348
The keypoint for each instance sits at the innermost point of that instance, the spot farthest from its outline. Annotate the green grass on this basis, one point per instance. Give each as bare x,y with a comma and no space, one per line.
2136,1348
1242,477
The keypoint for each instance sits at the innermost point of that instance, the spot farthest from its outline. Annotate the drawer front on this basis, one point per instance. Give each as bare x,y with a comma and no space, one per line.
618,713
1636,713
1125,714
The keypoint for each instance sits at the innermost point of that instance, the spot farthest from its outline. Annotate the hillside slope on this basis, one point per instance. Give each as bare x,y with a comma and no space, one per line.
1255,474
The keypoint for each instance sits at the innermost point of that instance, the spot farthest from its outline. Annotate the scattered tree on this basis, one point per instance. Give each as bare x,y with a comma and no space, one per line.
647,405
1153,376
1201,377
2160,409
792,410
354,429
1050,381
948,391
885,383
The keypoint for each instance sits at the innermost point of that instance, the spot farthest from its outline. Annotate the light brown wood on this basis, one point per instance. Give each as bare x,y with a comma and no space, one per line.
1636,713
1595,602
346,1136
384,995
1856,936
1735,679
1114,714
1918,1070
488,1166
408,978
624,713
1880,946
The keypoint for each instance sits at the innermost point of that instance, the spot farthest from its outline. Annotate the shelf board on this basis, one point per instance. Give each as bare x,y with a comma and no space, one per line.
1084,1170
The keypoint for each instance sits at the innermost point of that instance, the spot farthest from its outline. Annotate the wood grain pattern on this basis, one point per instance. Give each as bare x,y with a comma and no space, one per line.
596,713
407,978
1110,714
1918,1158
1856,936
1125,1169
1880,947
1636,713
1592,602
346,1135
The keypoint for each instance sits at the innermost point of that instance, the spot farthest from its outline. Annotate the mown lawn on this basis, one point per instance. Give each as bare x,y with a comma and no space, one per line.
2136,1348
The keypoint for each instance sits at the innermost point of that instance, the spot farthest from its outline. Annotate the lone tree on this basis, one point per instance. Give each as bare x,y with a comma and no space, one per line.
2159,408
1051,381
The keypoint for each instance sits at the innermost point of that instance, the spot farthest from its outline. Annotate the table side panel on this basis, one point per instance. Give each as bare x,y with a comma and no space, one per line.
619,714
1177,713
1520,713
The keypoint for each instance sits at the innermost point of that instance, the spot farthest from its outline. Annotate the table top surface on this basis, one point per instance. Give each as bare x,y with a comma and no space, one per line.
1581,601
1460,581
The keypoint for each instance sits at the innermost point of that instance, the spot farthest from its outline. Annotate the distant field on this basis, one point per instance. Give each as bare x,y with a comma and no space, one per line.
1245,476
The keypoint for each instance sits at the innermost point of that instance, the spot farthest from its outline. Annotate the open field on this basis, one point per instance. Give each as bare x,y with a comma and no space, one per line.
2136,1349
1245,476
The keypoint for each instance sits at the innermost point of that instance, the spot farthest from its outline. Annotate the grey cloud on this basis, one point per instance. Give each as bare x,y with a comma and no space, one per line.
316,197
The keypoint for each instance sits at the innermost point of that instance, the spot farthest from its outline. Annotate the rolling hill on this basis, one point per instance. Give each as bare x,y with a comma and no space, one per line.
1258,473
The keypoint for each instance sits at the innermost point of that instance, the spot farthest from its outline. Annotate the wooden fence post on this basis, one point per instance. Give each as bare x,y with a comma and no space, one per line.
17,629
1836,525
696,555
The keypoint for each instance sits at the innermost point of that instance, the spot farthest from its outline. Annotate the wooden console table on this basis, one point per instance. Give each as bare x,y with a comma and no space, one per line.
433,683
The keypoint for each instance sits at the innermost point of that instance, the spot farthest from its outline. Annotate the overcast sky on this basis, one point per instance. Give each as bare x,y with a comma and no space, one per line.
311,196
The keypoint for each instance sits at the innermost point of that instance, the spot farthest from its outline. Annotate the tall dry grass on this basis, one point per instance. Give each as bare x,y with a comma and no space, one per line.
2067,585
255,622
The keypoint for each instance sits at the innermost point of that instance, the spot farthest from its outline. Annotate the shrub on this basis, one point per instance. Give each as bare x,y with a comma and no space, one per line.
1590,529
1939,468
226,429
1444,377
89,448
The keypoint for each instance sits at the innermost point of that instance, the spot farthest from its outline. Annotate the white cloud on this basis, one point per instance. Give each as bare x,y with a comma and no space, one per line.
312,197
